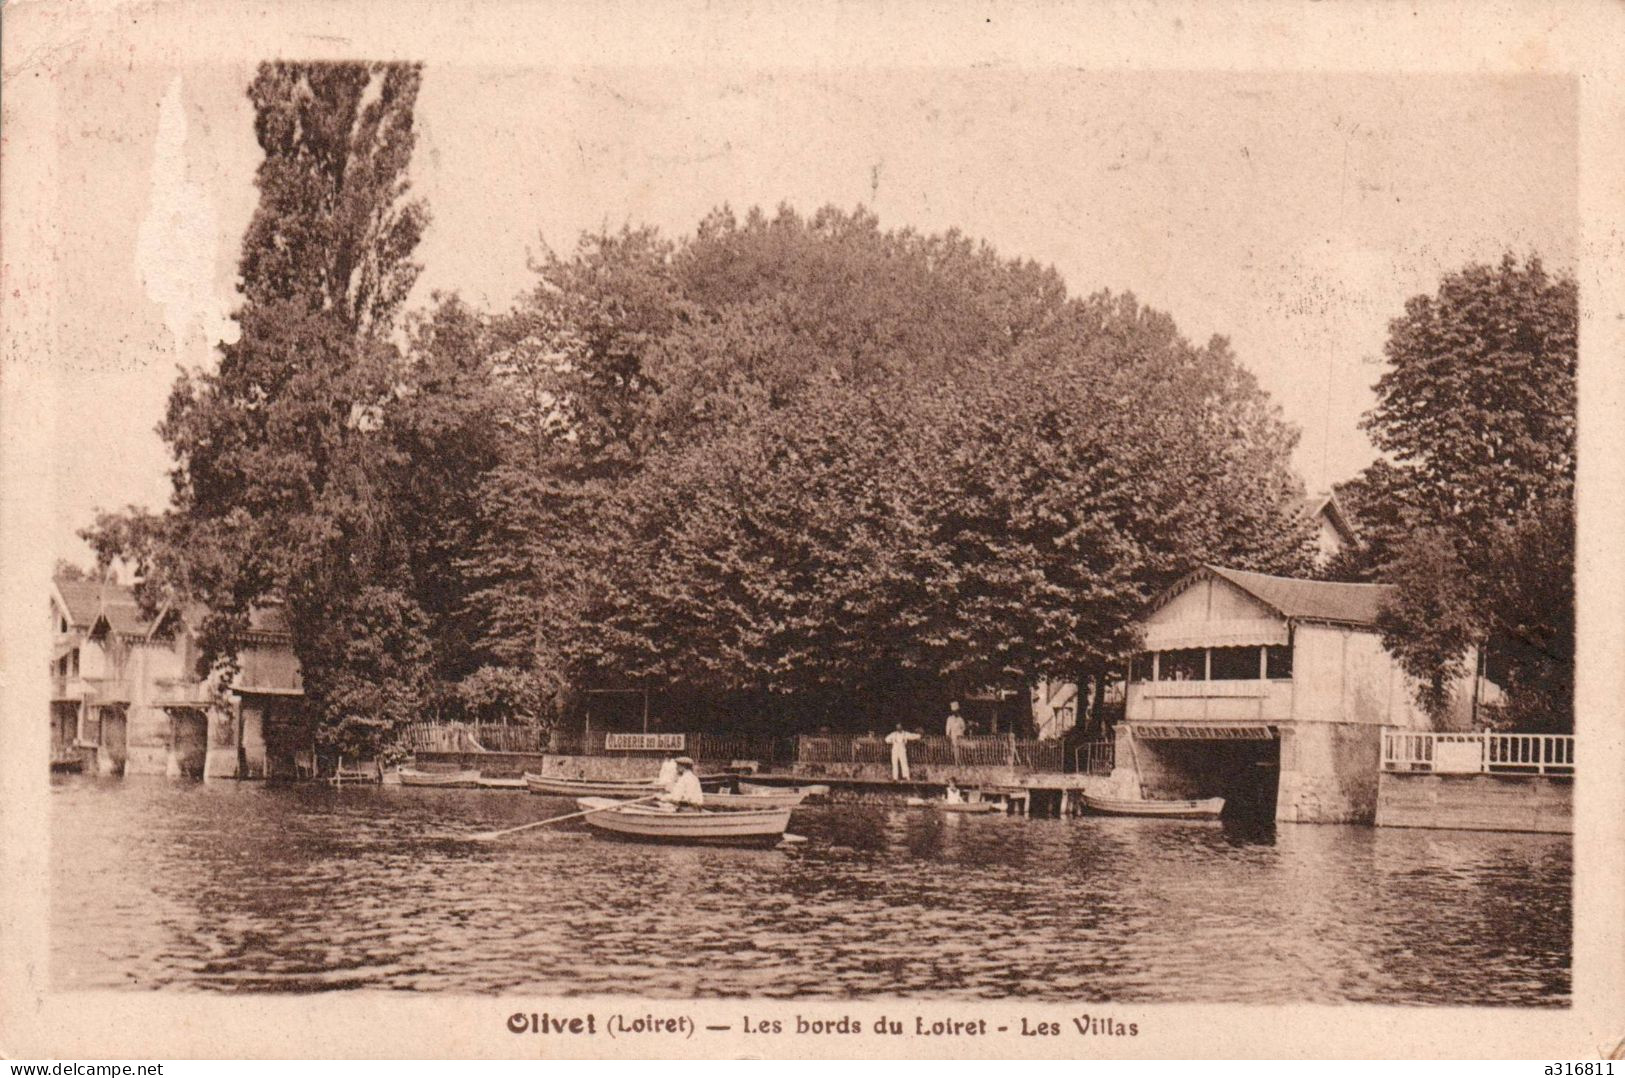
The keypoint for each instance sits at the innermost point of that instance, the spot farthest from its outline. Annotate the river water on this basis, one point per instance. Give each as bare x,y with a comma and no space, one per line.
231,886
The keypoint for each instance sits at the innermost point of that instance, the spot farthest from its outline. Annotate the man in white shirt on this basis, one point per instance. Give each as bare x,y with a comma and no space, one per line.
955,726
898,739
685,794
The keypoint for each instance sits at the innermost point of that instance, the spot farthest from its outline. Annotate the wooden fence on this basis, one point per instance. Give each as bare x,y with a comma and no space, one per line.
1096,757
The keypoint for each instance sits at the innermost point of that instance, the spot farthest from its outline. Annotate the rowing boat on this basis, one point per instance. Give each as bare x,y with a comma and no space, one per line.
953,806
503,782
622,788
816,790
412,777
761,797
1201,809
648,824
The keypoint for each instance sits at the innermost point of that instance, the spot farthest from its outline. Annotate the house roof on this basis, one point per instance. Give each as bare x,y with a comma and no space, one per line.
1326,504
1311,600
89,601
123,613
83,598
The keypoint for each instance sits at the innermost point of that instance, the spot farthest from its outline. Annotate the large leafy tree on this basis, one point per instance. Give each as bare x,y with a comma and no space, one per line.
1473,512
808,459
284,477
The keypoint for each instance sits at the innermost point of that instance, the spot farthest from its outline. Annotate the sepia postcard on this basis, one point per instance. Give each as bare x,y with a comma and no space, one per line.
1047,530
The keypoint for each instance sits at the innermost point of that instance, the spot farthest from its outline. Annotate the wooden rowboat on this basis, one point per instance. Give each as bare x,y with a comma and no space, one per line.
643,822
466,778
1203,809
816,790
505,782
767,799
953,806
621,788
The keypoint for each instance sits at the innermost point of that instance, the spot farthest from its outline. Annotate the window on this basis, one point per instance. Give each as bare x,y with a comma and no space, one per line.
1186,664
1139,668
1235,664
1278,661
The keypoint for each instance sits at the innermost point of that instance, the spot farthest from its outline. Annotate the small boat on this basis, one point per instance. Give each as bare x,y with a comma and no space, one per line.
466,778
622,788
761,797
953,806
738,826
817,790
502,782
1202,809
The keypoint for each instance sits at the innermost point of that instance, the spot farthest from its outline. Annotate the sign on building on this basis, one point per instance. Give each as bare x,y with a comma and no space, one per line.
644,742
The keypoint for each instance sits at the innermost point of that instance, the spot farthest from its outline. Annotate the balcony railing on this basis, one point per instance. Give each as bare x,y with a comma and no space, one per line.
97,689
1478,753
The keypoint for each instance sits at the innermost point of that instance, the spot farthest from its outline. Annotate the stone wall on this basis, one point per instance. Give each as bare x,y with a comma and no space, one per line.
1328,772
1476,802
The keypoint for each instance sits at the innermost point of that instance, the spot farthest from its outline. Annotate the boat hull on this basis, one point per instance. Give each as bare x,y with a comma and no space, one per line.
516,782
555,787
957,806
443,779
773,799
688,828
807,792
1203,809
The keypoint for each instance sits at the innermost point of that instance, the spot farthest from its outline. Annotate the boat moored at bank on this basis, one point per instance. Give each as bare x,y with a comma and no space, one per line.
462,779
1200,809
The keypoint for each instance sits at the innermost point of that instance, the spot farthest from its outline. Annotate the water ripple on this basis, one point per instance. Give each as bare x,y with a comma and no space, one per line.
246,887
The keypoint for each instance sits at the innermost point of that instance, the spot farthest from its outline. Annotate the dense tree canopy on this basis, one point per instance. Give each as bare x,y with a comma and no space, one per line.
785,458
1473,514
809,457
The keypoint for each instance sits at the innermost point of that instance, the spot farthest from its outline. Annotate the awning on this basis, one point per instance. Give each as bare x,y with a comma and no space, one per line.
1203,731
1231,633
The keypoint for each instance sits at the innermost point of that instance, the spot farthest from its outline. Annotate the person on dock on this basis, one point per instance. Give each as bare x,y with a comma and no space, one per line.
668,772
685,794
952,795
954,727
898,739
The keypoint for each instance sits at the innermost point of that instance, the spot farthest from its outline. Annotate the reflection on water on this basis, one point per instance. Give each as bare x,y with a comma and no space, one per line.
230,886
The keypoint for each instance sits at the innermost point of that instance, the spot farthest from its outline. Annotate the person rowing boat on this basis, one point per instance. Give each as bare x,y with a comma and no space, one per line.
684,794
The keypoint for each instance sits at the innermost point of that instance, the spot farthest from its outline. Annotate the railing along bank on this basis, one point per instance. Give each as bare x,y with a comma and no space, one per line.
1486,753
998,751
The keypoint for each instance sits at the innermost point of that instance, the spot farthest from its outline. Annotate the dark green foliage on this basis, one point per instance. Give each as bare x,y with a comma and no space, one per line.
808,457
1473,517
285,482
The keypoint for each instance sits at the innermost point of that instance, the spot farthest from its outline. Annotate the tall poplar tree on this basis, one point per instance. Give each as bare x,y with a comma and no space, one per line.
282,477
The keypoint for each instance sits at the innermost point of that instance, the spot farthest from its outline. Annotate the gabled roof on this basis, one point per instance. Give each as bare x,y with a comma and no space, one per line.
1327,505
1309,600
82,598
119,613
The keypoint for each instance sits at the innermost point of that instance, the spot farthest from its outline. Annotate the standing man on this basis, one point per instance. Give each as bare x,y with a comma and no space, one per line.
954,727
898,739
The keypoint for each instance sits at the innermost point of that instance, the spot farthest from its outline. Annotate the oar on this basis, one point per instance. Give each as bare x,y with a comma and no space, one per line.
487,836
